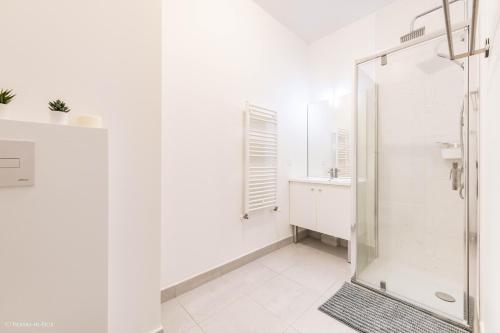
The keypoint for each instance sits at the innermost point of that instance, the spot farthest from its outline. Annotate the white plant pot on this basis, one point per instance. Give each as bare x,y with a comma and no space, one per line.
59,118
4,111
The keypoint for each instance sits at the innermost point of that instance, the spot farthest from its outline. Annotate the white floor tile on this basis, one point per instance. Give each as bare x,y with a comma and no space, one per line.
293,254
209,298
243,316
285,298
277,293
330,292
315,321
174,318
318,272
250,277
195,329
283,258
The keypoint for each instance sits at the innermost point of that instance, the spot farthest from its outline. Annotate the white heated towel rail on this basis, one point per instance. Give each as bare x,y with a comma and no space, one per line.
261,159
343,153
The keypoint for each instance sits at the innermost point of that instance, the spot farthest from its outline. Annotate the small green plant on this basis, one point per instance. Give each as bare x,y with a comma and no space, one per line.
59,106
6,96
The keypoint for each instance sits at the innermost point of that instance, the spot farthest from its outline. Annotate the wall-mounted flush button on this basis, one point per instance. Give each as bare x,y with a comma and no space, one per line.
17,163
10,163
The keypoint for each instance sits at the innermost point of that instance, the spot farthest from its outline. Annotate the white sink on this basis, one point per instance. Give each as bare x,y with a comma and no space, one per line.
320,180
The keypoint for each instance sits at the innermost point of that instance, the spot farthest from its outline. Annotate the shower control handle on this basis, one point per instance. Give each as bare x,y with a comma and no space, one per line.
455,176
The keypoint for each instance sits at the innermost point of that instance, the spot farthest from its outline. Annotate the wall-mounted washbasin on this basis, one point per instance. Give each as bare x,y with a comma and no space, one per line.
321,180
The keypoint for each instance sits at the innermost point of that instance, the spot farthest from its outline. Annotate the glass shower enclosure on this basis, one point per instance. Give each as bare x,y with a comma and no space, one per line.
415,173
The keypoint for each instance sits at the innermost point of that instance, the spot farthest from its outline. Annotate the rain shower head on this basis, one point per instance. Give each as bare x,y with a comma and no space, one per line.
433,65
413,34
456,62
416,33
437,63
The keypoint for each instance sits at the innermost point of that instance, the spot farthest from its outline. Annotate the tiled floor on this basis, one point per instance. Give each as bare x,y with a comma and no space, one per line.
280,292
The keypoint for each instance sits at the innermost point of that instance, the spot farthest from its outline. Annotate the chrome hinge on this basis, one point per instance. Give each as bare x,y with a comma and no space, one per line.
383,60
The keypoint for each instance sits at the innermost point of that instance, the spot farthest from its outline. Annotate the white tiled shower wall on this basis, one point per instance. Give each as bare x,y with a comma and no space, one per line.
421,217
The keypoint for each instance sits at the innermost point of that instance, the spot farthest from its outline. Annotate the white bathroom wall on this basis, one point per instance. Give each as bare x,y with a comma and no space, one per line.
54,235
102,57
489,179
331,59
218,55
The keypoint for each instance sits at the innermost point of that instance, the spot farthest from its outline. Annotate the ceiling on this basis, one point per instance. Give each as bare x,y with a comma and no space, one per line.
314,19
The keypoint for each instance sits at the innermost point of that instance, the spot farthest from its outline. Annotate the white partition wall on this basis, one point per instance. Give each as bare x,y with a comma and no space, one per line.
53,235
110,66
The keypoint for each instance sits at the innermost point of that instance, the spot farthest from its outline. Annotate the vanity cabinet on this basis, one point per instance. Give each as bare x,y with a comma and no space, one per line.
322,206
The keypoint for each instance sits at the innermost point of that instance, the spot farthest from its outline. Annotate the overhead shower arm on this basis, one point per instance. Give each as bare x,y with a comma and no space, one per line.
473,29
449,32
412,25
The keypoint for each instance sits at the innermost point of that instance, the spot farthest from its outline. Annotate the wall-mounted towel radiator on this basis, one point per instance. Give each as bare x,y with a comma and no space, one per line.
343,153
261,159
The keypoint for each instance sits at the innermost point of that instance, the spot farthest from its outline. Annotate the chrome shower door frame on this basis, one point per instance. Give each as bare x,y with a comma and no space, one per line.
466,323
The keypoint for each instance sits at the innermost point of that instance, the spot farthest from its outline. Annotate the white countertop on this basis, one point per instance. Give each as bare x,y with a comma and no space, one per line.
326,181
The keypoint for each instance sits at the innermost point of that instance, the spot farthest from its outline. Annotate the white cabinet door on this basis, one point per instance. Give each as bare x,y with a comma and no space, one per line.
334,211
303,205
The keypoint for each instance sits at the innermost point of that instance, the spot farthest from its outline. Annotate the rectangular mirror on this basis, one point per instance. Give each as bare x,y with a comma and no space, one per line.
328,146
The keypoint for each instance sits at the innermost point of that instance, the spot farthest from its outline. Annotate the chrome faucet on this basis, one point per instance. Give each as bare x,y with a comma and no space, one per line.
334,173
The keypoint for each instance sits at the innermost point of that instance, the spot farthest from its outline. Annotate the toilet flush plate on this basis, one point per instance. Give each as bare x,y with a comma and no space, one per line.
17,163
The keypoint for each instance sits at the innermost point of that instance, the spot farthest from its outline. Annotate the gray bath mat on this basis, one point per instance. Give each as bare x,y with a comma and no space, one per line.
369,312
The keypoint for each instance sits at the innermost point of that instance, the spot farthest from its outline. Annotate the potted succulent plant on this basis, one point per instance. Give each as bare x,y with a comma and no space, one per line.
6,97
59,112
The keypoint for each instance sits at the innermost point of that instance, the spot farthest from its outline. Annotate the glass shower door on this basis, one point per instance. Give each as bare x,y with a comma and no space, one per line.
411,196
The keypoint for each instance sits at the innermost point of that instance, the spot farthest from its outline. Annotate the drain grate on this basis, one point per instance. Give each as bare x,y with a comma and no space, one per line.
445,297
